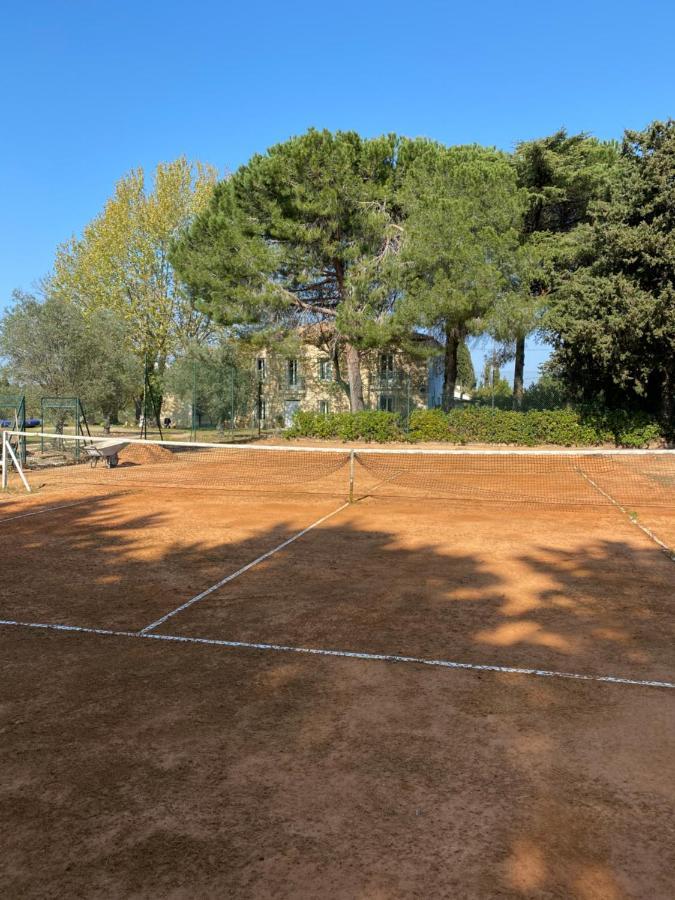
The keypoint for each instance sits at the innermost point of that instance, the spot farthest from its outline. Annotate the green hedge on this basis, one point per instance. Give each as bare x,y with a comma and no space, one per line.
482,425
565,427
368,425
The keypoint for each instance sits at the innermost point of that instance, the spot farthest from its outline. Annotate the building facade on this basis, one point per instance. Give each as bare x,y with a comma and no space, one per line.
393,381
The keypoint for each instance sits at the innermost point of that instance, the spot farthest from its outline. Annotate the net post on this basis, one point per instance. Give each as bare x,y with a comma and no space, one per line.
7,448
5,477
352,454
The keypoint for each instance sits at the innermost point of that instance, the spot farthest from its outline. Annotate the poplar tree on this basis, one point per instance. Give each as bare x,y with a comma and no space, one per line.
120,262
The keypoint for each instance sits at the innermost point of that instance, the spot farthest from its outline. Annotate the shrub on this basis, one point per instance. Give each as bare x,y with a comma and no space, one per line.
564,427
547,393
624,428
368,425
483,425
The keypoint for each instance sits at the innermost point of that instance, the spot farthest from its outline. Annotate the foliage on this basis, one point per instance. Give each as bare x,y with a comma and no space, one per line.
217,377
466,375
121,261
546,393
368,241
461,208
51,348
625,428
562,427
561,176
366,425
481,425
612,321
500,393
305,233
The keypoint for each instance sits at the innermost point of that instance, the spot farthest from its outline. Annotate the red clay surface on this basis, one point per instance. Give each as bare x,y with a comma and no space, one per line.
133,769
571,590
122,560
151,769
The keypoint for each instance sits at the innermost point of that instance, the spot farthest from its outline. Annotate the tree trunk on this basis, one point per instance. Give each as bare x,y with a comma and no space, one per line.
518,373
354,377
452,341
352,355
668,400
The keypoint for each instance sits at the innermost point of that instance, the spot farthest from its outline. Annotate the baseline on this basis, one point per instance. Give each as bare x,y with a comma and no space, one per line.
41,512
344,654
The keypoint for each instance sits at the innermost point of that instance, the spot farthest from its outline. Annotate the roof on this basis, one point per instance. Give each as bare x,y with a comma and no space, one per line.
320,334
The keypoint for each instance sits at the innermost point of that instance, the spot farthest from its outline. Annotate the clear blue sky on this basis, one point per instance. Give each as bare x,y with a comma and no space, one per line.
91,88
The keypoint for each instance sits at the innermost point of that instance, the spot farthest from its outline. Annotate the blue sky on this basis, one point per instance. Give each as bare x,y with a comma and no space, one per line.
92,88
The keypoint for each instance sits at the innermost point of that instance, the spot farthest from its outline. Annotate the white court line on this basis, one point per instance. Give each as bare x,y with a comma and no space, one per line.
228,578
650,534
40,512
343,654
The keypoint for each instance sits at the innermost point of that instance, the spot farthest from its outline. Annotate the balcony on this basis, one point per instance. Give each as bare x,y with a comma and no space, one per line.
389,381
292,390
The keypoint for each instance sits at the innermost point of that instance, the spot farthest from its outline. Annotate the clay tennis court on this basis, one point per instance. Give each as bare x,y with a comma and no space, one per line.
223,678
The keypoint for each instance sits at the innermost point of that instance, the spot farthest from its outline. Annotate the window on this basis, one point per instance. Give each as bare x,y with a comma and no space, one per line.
386,366
324,408
325,370
262,368
293,379
386,403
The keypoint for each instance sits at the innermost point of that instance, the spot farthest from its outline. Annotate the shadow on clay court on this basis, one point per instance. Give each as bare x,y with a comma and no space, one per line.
154,768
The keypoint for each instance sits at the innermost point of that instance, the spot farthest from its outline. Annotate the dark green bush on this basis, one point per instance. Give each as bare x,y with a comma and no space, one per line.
564,427
369,425
546,393
483,425
624,428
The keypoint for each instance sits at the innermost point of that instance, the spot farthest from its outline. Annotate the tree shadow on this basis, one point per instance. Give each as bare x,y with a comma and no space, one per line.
161,768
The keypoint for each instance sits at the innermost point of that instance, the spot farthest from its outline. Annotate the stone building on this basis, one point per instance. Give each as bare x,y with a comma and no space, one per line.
393,380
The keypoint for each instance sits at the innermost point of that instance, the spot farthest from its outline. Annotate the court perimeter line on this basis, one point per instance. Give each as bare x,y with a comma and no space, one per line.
650,534
40,512
228,578
344,654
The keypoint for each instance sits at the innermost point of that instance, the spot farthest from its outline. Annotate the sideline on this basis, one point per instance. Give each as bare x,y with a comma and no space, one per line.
228,578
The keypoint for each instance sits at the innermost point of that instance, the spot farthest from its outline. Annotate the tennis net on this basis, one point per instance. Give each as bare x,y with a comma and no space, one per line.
630,478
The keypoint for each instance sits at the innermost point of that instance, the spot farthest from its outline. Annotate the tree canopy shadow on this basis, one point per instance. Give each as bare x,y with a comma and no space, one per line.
291,775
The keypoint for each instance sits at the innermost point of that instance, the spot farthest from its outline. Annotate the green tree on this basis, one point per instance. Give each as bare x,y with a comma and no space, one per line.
461,210
561,175
217,378
306,233
121,261
493,390
50,348
466,375
612,320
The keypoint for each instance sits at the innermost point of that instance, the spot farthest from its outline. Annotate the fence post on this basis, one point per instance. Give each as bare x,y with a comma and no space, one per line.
193,416
5,475
232,372
408,399
351,475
